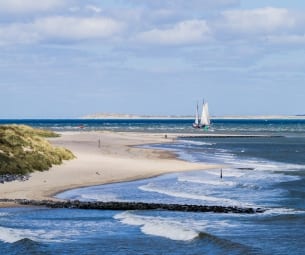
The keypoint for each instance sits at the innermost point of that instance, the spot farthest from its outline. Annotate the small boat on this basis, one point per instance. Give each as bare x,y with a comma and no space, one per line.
204,120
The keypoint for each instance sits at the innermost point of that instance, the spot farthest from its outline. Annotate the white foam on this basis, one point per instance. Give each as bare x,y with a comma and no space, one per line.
227,173
194,179
241,177
226,157
263,165
281,211
253,180
4,214
9,235
187,157
12,235
99,197
220,201
158,226
195,142
87,195
171,231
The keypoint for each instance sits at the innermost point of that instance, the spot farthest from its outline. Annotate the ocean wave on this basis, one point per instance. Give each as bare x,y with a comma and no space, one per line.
248,186
256,164
12,235
4,214
282,211
86,194
98,197
240,178
229,172
226,156
195,179
194,142
188,195
158,226
227,245
178,228
187,157
169,230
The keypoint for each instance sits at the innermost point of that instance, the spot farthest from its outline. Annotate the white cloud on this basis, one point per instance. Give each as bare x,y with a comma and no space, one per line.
77,28
186,32
26,6
93,8
185,5
259,21
60,28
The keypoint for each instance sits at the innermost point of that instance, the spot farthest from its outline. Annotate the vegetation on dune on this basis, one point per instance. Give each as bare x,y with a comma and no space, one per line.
24,149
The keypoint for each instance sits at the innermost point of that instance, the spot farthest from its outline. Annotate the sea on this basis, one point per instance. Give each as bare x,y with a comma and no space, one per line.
261,172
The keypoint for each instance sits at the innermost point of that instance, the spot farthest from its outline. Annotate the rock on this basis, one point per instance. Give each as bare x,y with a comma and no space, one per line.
13,177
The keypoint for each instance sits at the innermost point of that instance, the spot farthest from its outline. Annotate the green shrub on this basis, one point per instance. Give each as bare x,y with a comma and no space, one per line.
23,150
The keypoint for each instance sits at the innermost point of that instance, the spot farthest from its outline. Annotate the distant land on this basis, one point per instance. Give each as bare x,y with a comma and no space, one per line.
135,116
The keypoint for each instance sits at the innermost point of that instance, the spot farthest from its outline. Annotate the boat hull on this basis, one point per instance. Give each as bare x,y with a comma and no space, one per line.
200,126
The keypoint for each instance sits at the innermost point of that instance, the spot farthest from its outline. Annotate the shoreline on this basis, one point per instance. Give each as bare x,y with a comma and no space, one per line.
105,116
102,157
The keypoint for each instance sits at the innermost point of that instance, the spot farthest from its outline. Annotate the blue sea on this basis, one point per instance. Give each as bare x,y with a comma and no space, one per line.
266,172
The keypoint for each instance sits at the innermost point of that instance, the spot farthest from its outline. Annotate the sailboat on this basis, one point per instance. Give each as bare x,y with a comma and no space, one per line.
204,120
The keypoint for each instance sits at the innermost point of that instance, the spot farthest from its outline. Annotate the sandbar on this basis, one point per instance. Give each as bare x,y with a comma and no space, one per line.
101,157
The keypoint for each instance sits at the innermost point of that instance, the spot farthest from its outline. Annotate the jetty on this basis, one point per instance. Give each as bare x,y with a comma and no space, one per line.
76,204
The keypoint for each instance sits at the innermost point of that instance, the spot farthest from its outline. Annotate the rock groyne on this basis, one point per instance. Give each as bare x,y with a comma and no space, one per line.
75,204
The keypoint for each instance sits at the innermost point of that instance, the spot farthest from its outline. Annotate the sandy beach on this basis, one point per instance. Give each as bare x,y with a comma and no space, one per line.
102,157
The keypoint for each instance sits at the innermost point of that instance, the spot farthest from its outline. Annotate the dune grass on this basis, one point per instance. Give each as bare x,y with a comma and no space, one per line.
24,149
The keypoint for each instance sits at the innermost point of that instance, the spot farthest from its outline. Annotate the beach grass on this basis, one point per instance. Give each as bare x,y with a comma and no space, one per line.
24,149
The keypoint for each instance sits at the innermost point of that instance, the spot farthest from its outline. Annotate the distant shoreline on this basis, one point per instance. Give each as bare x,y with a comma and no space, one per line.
229,117
150,117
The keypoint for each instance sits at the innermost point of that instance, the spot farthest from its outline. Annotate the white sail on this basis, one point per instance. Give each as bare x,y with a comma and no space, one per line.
206,107
205,119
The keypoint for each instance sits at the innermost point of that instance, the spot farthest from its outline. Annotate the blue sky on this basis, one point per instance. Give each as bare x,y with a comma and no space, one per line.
69,58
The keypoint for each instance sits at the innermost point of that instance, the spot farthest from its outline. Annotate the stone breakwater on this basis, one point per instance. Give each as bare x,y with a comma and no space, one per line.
75,204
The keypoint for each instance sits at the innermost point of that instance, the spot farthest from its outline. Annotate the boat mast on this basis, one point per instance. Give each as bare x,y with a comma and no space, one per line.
196,116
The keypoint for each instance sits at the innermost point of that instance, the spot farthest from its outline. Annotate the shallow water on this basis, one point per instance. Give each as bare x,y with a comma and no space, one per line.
260,172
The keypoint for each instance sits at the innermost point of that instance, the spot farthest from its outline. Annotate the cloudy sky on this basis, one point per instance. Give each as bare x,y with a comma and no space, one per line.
69,58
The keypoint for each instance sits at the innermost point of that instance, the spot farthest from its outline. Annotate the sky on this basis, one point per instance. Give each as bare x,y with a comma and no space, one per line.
70,58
